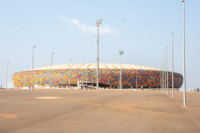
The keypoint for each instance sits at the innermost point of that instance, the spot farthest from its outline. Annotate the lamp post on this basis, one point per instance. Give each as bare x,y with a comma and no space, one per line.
26,75
98,22
172,69
121,53
32,67
51,69
184,86
167,72
7,74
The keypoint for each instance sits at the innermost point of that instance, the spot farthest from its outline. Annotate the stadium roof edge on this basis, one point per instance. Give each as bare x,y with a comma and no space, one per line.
101,66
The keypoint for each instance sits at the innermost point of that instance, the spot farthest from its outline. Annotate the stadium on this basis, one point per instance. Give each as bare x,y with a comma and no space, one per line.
80,75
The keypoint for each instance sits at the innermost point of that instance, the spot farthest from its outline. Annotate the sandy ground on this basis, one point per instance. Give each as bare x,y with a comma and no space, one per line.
97,111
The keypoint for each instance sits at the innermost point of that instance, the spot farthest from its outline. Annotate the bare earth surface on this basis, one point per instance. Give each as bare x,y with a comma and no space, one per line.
97,111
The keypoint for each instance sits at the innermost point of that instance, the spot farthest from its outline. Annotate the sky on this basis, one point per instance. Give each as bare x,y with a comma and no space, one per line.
141,28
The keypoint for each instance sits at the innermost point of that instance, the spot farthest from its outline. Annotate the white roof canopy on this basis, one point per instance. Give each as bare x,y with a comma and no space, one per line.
94,66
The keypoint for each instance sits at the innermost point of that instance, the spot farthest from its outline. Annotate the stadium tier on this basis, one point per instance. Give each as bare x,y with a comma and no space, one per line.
109,76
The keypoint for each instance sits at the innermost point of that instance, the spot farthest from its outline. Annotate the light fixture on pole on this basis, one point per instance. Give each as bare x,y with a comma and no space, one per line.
7,74
172,69
98,22
184,84
121,53
51,69
32,67
167,72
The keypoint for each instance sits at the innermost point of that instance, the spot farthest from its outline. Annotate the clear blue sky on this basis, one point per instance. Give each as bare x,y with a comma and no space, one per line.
142,28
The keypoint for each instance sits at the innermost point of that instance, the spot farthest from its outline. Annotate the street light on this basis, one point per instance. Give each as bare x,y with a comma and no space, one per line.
184,88
172,69
98,22
121,53
167,72
7,74
51,69
32,66
26,75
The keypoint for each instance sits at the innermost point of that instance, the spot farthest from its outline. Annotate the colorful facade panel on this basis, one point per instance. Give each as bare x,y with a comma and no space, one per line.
109,77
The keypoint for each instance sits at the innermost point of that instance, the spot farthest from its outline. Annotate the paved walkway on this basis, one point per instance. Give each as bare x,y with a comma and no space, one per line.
97,111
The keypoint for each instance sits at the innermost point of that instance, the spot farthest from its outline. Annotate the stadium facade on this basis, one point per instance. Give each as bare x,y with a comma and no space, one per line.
85,74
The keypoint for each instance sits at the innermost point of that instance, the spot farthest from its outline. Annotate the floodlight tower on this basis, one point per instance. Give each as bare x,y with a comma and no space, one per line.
98,22
121,53
184,86
51,69
32,67
7,74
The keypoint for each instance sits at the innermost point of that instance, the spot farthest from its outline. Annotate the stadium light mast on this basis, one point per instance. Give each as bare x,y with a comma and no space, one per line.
184,86
7,75
172,69
51,69
98,22
167,72
26,75
32,67
121,53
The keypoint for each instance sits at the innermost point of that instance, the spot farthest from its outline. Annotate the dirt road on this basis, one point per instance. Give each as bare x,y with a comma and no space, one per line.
97,111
